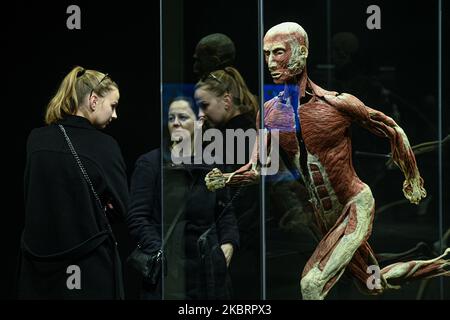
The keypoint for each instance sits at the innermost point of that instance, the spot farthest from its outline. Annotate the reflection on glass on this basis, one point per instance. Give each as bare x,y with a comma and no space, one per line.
199,61
213,52
321,214
200,228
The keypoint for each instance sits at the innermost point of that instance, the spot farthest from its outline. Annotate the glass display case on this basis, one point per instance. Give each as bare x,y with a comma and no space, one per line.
335,219
197,37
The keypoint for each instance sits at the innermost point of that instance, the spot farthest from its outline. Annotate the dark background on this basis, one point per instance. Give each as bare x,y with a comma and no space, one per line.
115,38
122,39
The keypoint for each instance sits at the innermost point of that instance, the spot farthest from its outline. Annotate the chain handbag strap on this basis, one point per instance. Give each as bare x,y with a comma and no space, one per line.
237,194
172,226
87,179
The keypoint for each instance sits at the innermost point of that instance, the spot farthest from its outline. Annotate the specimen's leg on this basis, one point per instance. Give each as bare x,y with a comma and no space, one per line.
337,248
371,280
366,271
401,272
396,274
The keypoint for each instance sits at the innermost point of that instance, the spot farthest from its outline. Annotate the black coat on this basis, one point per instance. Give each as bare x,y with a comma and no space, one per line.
185,190
61,213
245,270
247,202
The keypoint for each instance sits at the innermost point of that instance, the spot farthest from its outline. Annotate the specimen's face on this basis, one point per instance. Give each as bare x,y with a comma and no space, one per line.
284,53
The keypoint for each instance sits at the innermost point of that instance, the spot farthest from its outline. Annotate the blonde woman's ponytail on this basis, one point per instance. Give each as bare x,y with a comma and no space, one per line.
65,100
247,101
73,89
230,80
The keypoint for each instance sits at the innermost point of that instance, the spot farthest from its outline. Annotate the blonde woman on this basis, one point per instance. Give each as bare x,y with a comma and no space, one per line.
75,185
227,104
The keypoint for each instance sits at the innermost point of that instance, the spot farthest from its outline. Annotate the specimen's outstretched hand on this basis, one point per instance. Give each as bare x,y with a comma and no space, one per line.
215,179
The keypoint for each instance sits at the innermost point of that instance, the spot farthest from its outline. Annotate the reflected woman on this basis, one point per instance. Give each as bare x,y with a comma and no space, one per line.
189,210
228,104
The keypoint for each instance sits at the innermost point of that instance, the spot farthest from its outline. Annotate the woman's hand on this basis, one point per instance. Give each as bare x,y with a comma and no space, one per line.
227,249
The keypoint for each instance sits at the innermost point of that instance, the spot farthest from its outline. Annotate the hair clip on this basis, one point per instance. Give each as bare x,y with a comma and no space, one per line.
104,77
214,77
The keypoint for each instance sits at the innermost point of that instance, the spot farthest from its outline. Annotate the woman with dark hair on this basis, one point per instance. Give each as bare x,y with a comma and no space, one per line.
75,185
189,210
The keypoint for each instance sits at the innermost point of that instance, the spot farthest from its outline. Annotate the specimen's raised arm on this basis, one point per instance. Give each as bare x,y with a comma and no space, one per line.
382,125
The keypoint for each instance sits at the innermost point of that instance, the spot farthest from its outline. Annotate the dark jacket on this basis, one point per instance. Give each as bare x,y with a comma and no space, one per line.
61,213
247,202
185,190
246,279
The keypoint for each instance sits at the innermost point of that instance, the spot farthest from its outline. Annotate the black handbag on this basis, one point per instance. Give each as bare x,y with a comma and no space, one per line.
214,266
150,266
218,283
207,240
